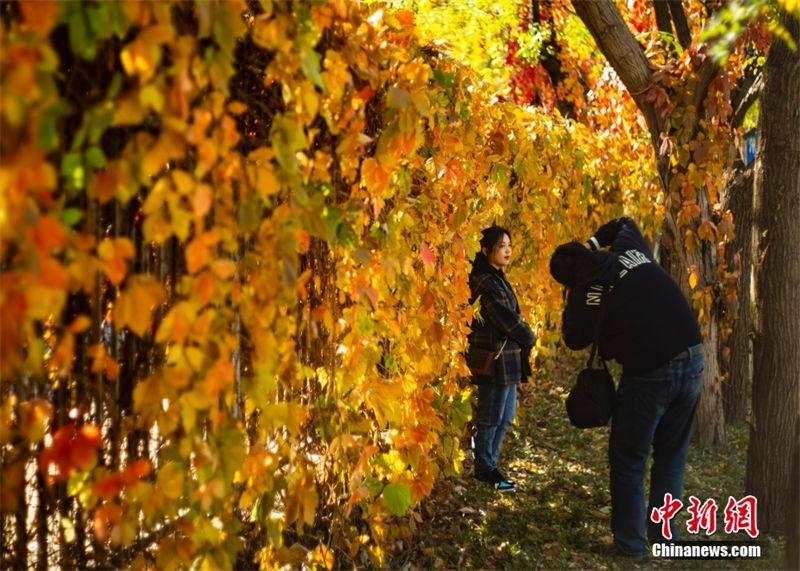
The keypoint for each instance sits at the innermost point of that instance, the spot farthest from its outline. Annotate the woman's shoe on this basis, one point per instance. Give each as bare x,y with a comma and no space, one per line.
497,479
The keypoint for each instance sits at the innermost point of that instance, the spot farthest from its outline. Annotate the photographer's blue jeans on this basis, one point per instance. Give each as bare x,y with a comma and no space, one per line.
497,405
652,410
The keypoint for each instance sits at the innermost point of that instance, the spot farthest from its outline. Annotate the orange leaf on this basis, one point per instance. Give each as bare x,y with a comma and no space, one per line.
105,515
223,269
113,256
236,107
203,288
47,234
134,472
107,487
405,17
80,324
219,377
375,177
112,369
41,15
84,449
201,203
102,186
197,256
53,274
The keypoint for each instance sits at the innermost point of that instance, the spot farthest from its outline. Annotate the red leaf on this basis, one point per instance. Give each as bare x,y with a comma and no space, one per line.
428,257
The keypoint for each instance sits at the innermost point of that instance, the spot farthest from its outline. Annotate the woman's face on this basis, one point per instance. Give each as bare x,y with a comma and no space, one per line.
500,255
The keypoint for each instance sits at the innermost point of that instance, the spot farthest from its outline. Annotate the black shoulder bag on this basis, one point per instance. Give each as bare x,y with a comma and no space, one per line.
481,361
591,401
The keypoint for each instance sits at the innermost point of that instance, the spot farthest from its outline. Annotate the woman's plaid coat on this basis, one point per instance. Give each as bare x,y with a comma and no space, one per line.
499,319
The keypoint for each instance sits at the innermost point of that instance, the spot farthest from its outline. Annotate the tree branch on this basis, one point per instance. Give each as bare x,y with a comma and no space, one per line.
752,91
663,21
680,23
706,72
623,52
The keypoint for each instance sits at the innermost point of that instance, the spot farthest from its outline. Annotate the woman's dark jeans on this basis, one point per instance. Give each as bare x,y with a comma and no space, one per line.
497,405
655,409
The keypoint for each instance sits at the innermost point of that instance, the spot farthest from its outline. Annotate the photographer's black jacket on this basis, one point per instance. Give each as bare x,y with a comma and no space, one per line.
647,320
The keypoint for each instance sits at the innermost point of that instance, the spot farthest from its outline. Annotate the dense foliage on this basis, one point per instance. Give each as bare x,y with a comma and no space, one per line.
235,243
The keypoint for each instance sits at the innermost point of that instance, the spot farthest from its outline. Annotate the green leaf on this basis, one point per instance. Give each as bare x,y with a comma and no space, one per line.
309,62
446,80
95,158
73,172
287,138
231,451
100,120
48,127
71,216
397,498
81,36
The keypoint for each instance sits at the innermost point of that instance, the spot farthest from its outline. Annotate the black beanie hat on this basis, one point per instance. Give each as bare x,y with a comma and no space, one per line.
567,261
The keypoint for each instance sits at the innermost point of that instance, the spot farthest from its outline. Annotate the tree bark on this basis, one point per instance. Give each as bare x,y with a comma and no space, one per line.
792,555
735,395
709,425
776,341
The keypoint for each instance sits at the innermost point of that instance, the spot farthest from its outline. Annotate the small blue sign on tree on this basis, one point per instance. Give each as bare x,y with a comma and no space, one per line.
749,146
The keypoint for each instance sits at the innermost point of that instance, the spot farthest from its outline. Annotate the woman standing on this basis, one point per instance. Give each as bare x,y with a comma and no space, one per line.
499,327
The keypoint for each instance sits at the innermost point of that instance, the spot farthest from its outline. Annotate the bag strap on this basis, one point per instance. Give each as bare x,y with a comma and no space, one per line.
500,352
598,329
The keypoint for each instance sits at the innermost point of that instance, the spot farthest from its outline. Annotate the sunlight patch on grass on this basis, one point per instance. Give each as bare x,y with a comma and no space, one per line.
562,503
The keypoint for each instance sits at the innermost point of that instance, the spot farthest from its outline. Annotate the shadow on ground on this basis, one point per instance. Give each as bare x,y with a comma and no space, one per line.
562,505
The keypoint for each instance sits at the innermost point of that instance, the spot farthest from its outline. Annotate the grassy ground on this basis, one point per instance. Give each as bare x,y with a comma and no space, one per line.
562,504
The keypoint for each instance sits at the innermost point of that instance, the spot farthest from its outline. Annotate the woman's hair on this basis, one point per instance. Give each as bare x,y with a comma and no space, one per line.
492,236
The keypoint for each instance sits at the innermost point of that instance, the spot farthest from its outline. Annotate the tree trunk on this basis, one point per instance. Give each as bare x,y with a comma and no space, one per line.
709,424
776,341
627,57
739,365
792,555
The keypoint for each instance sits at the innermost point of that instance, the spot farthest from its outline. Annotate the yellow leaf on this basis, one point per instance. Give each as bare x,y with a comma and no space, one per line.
198,399
34,417
140,58
184,182
195,357
136,303
693,278
176,324
129,110
147,398
168,147
43,302
170,480
152,96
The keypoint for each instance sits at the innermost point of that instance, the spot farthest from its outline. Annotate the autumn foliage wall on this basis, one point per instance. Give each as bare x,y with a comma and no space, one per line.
235,247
